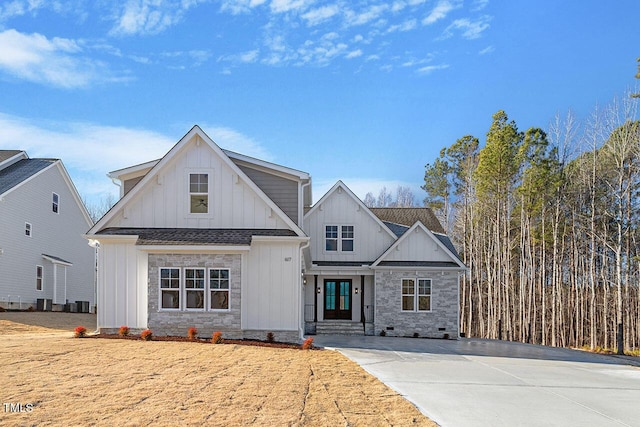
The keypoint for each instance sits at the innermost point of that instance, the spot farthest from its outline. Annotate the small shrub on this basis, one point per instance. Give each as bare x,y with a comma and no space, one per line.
416,335
446,336
216,338
307,344
192,333
383,333
146,335
80,332
270,337
124,331
30,309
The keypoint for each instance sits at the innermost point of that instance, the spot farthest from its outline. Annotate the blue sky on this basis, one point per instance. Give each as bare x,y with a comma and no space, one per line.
363,91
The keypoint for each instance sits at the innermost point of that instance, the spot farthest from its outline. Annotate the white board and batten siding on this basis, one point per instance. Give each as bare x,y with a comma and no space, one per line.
339,208
164,200
56,234
271,290
122,290
417,245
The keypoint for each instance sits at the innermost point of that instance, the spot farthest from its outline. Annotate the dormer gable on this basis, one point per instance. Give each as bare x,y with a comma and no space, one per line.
420,247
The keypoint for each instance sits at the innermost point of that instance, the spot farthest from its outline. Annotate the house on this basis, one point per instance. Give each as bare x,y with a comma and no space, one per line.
213,239
44,260
388,271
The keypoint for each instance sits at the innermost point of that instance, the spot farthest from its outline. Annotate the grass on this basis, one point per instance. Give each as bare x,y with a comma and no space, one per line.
126,382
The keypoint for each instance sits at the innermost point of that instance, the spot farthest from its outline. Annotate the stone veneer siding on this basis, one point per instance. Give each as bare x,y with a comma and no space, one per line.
441,320
164,322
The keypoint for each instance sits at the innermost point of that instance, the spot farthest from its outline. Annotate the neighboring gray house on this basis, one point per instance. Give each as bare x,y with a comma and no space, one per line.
43,256
214,239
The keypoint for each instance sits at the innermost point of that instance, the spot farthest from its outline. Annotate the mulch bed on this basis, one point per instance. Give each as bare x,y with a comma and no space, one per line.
254,343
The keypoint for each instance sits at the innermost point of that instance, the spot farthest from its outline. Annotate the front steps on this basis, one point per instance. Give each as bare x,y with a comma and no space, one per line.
337,327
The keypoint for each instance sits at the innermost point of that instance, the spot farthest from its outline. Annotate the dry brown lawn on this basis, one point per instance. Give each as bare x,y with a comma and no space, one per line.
122,382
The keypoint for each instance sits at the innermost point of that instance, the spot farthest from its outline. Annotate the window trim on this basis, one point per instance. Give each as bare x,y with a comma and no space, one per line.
55,204
209,174
340,238
160,288
210,289
28,229
40,277
416,294
202,290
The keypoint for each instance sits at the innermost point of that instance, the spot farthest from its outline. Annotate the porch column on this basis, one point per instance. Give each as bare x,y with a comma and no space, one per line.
315,298
362,300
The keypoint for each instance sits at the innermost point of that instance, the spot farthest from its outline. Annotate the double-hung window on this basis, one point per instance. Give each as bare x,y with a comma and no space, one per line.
199,193
170,288
416,294
339,238
38,277
55,203
194,288
219,288
27,229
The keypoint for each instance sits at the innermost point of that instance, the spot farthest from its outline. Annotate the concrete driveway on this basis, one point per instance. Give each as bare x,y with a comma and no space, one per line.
473,382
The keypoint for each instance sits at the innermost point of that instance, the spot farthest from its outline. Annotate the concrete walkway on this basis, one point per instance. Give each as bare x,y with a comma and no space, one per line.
474,382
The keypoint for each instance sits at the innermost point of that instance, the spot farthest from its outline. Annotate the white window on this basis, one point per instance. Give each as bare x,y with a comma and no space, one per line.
170,288
219,289
27,229
55,203
194,288
38,277
199,193
416,297
339,238
196,291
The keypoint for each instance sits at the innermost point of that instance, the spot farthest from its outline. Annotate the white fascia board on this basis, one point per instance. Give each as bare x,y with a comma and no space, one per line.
267,165
74,192
280,239
116,174
417,268
110,238
195,249
340,271
13,159
57,261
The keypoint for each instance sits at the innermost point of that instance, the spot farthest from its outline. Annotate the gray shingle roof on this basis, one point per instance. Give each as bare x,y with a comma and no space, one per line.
194,236
20,171
409,216
397,229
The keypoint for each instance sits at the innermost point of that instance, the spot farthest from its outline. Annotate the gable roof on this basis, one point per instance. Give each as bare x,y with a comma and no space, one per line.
409,216
20,171
195,131
341,186
437,238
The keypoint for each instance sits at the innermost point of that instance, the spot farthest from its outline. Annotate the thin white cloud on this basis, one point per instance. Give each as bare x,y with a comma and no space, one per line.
441,10
57,62
321,14
467,28
237,7
478,5
431,68
407,25
366,16
280,6
354,54
90,150
487,50
149,16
